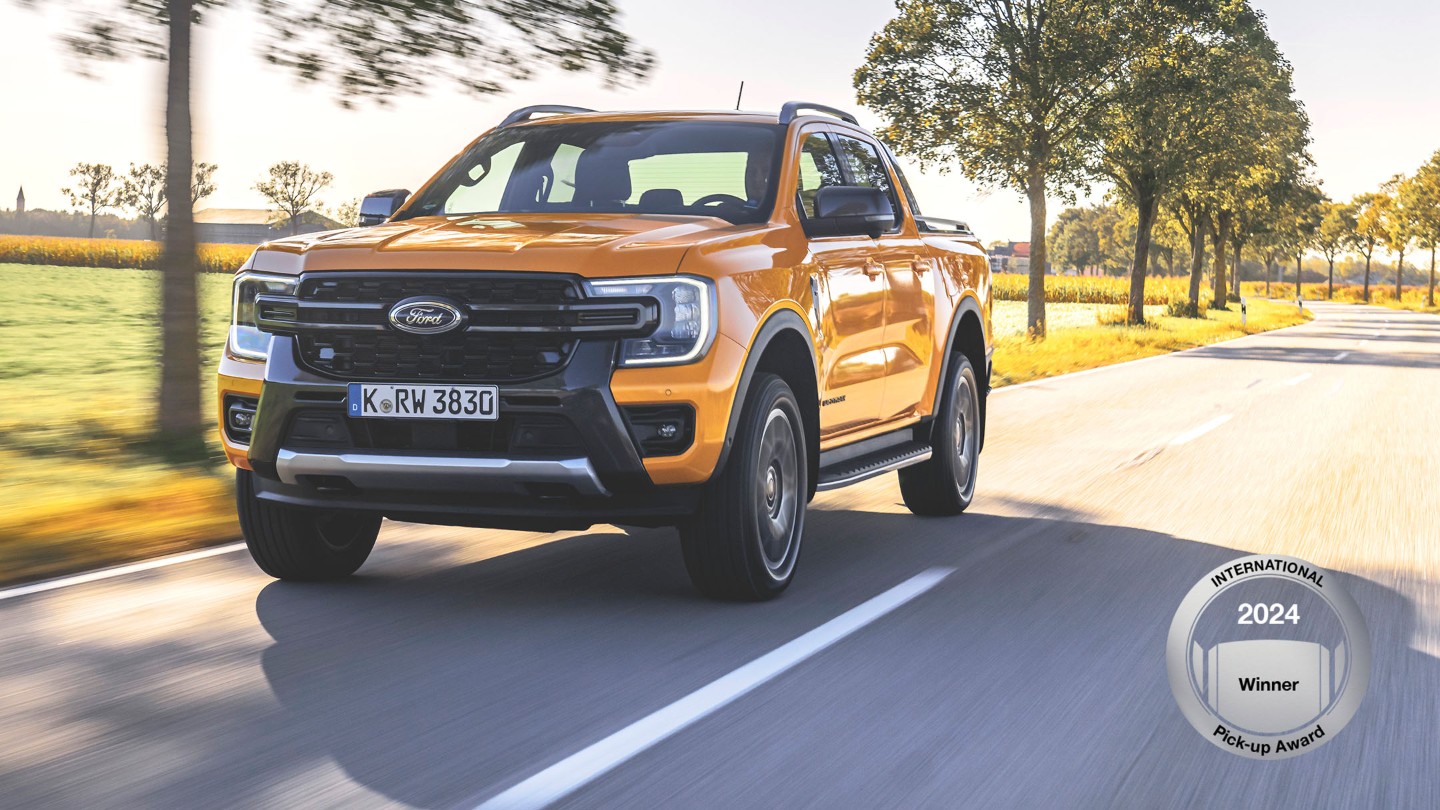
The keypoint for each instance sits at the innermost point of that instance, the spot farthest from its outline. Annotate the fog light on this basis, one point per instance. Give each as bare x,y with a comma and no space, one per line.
669,430
240,418
661,430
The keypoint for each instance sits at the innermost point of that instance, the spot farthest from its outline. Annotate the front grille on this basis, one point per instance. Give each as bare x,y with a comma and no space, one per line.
461,356
519,433
520,326
476,289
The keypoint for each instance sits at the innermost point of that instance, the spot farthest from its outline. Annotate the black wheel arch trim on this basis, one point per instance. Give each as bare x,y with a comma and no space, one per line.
785,320
966,305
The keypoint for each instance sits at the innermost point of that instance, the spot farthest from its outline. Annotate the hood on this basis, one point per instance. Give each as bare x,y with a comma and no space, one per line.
595,246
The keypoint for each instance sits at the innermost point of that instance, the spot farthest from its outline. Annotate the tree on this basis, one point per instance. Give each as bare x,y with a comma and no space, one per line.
1158,125
142,191
204,184
348,213
1011,92
1369,228
366,50
292,187
1334,236
1397,226
1299,221
94,190
1420,196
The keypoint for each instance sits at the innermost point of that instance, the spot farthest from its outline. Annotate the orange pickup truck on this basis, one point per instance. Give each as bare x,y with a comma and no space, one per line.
690,319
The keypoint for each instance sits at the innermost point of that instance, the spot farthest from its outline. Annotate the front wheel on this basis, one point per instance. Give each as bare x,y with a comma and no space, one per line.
745,540
945,484
296,543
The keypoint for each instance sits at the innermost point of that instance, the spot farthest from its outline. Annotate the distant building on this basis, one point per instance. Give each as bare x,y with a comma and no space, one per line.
1013,257
20,202
251,226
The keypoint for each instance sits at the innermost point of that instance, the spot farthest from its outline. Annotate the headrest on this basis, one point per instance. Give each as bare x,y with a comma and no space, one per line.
602,178
662,200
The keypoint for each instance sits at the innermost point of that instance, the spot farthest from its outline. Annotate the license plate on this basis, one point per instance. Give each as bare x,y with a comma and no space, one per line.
480,402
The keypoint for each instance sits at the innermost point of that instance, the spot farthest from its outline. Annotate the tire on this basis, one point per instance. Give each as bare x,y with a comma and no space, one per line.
945,484
744,542
302,544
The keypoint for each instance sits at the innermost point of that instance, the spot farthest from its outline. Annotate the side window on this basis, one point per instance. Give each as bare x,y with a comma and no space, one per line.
562,168
818,168
485,188
866,167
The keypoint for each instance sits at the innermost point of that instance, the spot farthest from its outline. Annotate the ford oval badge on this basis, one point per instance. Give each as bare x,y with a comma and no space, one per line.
426,316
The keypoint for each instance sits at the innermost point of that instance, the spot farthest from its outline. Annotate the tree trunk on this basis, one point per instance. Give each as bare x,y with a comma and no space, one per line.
92,222
154,229
1367,277
1269,273
1197,260
1399,277
1430,296
1035,315
1222,236
1299,276
178,425
1145,203
295,225
1330,289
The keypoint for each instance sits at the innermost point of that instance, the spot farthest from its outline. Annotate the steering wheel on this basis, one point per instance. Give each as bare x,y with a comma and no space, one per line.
718,199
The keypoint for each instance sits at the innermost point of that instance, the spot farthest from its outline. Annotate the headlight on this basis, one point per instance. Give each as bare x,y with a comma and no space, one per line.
687,318
246,339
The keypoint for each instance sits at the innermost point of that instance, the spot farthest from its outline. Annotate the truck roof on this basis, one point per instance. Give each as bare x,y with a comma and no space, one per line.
525,116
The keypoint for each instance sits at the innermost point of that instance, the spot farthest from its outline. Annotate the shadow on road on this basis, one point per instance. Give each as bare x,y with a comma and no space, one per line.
1034,675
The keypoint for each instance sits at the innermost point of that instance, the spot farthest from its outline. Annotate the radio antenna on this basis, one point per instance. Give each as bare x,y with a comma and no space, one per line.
739,95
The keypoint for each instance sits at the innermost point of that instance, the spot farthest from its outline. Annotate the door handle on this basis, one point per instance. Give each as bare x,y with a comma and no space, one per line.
872,269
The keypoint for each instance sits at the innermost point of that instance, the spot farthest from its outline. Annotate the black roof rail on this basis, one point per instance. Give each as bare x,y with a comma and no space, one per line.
792,109
525,113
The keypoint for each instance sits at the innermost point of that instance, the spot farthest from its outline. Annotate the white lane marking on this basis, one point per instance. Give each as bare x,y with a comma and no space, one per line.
1192,435
1341,356
1336,386
579,769
118,571
1297,380
1360,343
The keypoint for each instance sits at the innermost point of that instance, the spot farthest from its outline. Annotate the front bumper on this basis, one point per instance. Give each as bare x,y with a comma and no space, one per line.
599,476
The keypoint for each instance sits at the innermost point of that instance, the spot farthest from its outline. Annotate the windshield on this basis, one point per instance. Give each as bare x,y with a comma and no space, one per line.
696,168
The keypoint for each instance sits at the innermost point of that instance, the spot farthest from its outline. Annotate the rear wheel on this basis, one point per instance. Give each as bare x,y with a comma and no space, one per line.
304,544
745,540
945,484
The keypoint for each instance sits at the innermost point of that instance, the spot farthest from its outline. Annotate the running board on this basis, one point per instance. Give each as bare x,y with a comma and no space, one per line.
856,470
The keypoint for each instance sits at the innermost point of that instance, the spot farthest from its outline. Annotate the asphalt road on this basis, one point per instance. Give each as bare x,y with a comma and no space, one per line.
1027,671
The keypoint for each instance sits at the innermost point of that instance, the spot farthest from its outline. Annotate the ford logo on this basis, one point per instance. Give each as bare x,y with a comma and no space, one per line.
426,316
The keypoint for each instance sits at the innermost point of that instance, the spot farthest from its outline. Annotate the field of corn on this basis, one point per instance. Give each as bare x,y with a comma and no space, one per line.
1382,294
1159,290
116,253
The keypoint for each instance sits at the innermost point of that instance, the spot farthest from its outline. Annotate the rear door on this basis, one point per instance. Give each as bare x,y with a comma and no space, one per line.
852,284
908,341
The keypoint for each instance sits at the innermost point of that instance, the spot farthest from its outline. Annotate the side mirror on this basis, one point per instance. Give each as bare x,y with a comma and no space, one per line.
380,206
850,211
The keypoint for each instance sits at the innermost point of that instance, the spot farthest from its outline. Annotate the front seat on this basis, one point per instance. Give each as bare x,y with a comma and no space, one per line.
602,182
662,201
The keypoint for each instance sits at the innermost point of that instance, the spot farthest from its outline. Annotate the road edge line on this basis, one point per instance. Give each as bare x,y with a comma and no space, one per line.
16,591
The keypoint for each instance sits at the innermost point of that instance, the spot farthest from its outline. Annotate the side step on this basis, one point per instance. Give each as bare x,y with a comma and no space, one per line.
855,470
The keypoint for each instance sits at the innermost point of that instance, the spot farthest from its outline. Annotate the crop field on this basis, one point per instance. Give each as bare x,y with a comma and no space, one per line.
1381,294
1159,290
117,253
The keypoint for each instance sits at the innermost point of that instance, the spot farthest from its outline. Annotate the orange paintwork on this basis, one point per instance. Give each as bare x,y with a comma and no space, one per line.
879,329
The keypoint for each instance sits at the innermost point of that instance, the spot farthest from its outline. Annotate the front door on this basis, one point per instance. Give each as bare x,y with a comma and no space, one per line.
852,288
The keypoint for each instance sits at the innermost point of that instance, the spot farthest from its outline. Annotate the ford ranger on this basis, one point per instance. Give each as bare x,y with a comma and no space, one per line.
689,319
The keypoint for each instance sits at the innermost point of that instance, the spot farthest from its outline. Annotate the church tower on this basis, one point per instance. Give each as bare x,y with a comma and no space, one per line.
20,202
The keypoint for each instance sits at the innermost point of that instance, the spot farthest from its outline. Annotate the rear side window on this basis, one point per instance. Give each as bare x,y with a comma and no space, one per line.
818,168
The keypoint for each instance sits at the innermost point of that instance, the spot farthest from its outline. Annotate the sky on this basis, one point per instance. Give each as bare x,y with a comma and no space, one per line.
1368,75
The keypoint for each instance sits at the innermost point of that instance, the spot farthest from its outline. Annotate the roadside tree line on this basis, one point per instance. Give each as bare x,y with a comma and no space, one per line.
1185,108
292,188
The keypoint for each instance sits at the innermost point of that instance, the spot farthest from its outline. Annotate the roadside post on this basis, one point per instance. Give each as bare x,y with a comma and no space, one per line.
1243,313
